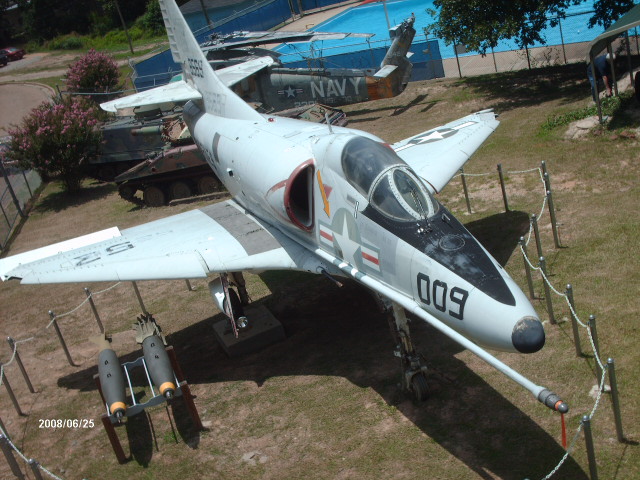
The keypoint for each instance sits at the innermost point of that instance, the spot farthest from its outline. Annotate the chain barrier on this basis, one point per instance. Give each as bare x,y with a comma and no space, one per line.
27,460
603,368
596,356
13,356
55,317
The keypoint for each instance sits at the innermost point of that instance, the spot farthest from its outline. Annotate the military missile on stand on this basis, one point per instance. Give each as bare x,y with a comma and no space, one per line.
111,378
148,334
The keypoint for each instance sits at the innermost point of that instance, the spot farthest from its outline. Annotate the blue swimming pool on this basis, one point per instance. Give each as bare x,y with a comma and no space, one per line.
370,18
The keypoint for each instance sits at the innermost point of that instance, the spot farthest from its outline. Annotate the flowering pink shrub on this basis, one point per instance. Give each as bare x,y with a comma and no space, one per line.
95,72
55,138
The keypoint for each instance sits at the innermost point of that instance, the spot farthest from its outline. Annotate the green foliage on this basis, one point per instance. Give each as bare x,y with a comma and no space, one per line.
481,24
610,106
55,138
152,18
72,41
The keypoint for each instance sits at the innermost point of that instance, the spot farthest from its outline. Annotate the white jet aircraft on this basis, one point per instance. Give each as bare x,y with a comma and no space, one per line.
326,200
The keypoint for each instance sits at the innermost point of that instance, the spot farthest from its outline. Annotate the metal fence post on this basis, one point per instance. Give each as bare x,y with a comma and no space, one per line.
574,322
547,291
61,338
588,440
611,367
35,469
24,175
14,400
536,232
596,345
11,460
466,190
527,268
94,309
503,188
564,52
14,347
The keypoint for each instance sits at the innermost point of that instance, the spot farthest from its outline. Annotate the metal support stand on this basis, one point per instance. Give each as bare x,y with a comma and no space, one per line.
588,440
113,438
12,396
186,391
527,268
61,338
536,232
574,322
135,288
547,291
94,310
594,336
183,390
11,460
12,345
503,188
189,287
466,190
611,367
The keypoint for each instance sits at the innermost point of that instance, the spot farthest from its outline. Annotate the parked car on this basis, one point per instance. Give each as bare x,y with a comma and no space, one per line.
3,58
13,53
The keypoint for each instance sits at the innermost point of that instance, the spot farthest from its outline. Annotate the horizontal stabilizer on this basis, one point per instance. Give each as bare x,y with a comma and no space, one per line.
176,92
385,71
236,73
180,92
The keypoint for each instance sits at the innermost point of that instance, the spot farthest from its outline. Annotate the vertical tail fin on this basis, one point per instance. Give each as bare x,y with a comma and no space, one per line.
218,99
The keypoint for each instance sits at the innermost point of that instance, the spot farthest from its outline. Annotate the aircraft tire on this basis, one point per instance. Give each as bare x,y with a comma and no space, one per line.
419,387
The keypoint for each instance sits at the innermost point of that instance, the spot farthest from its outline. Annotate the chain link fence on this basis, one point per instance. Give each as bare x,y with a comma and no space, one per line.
16,189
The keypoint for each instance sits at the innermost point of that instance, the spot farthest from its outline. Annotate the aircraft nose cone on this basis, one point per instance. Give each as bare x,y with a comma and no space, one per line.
528,335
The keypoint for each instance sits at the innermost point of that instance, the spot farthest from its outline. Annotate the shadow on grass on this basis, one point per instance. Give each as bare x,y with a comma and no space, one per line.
500,233
370,107
61,200
340,332
523,88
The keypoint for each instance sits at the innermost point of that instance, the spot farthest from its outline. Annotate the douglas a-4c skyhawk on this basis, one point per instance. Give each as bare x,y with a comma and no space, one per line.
321,199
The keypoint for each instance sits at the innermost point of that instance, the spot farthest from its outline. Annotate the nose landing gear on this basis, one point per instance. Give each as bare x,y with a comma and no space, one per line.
414,379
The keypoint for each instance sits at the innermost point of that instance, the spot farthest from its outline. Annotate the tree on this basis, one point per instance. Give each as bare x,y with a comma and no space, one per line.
608,11
95,72
481,24
55,138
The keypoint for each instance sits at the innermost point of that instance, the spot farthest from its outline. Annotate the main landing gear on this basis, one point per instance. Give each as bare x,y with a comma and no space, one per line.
414,379
229,301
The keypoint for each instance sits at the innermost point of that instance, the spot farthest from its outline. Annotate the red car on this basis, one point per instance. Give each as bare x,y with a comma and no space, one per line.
13,53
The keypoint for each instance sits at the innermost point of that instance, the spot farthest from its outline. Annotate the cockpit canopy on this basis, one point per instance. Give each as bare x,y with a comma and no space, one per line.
387,182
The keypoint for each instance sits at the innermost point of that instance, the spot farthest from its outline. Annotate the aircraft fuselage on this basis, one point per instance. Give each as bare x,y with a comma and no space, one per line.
347,193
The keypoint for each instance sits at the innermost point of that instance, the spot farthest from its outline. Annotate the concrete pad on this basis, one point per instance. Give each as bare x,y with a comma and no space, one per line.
264,329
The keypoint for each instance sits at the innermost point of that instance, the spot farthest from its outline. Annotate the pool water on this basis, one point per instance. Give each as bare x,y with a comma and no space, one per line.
371,18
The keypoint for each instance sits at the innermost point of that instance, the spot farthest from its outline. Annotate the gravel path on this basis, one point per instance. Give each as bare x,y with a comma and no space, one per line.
18,99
